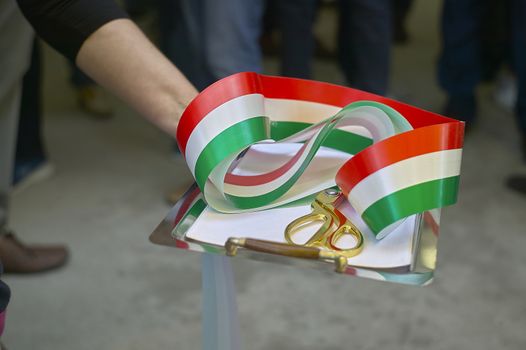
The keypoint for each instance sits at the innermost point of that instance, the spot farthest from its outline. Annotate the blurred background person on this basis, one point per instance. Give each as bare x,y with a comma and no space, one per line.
467,56
15,256
293,22
230,36
31,160
467,40
363,39
111,38
400,10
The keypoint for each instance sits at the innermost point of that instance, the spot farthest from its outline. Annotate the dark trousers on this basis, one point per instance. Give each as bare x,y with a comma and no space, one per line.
400,8
518,40
209,40
29,144
295,20
179,33
364,40
466,39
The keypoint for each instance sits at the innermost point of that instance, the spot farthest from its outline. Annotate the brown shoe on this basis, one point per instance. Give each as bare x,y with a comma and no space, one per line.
17,257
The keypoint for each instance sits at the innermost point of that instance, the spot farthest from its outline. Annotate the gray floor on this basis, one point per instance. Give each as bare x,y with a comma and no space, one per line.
121,292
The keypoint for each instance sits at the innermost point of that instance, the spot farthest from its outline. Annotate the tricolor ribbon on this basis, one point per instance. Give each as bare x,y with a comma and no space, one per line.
400,160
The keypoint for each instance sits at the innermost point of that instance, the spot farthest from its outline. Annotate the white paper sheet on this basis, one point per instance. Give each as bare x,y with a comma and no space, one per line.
212,227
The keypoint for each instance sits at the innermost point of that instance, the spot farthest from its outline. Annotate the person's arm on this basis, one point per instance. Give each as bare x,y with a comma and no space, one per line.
111,49
119,57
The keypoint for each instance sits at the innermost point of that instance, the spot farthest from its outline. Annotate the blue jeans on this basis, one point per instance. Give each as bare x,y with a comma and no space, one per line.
231,36
209,39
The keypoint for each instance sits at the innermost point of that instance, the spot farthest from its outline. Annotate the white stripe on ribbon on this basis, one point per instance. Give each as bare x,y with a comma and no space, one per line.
367,121
257,190
299,111
403,174
314,112
252,105
374,118
218,120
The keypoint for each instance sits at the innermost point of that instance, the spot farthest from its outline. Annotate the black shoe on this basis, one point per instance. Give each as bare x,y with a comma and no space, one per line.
462,107
517,183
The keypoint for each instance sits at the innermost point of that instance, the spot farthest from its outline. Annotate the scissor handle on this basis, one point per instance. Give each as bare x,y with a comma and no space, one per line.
319,238
347,229
335,226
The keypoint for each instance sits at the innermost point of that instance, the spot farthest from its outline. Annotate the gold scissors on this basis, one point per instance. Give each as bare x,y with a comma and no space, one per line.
334,226
322,245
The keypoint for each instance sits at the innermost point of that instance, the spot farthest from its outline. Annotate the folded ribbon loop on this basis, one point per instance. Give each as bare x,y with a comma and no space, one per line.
255,142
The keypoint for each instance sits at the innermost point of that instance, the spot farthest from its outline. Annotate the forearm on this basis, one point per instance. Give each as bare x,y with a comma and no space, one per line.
122,59
115,53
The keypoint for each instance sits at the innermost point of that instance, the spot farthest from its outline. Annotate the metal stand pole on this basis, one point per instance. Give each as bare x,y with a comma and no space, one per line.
219,314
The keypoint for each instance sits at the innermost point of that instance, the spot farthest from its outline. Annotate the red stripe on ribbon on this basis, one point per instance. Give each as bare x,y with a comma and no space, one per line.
406,145
212,97
341,96
287,88
255,180
428,218
181,244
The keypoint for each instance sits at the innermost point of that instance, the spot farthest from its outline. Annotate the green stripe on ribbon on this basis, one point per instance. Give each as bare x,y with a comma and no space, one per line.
400,124
280,130
232,140
411,200
340,140
347,142
264,199
390,209
189,218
